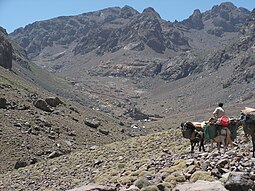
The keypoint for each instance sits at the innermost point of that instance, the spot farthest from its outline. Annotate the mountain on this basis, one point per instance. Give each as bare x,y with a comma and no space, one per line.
128,35
36,124
125,61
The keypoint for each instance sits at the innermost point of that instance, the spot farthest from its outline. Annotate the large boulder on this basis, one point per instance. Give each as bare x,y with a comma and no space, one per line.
53,101
201,185
240,181
94,187
41,104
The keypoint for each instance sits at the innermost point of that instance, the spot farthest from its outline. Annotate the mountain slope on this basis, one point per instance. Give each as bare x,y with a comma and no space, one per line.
36,125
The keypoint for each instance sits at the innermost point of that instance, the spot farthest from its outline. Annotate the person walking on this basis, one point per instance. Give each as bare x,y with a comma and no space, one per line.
219,111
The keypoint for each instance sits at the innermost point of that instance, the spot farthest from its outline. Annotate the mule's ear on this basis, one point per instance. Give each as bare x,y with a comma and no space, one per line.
182,124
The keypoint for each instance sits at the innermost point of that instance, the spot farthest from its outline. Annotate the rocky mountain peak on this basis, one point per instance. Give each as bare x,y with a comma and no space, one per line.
127,12
227,6
151,12
195,20
3,30
225,17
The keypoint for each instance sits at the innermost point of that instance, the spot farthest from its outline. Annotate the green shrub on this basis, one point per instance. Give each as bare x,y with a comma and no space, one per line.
201,175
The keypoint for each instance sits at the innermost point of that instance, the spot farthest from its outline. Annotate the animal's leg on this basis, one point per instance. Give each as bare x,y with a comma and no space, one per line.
192,146
211,147
202,146
225,141
218,146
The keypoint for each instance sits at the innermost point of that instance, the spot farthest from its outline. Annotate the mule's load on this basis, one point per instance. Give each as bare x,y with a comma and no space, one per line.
189,127
248,114
195,133
213,128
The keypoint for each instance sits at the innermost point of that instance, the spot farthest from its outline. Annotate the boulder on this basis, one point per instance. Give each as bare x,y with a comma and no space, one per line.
53,101
201,185
20,164
94,187
3,103
41,104
103,131
240,181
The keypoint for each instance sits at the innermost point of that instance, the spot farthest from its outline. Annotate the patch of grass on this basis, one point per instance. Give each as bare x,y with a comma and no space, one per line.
150,188
103,179
14,84
121,165
137,172
175,177
126,180
179,165
201,175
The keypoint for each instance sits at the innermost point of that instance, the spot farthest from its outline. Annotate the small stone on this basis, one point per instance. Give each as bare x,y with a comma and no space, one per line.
55,154
20,164
92,123
190,162
104,131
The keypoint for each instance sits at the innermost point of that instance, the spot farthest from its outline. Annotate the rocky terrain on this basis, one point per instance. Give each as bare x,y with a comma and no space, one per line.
159,162
37,125
121,84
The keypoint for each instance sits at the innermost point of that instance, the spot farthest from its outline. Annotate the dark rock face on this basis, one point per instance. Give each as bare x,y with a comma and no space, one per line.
179,68
5,50
150,30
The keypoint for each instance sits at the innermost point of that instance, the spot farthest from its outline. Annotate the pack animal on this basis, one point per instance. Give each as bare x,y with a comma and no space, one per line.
196,137
248,123
222,132
223,137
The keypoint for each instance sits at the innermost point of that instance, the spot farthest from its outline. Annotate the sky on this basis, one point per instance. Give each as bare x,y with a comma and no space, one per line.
19,13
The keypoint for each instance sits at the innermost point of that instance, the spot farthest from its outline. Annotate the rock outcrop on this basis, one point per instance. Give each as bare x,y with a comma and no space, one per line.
195,21
5,50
